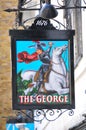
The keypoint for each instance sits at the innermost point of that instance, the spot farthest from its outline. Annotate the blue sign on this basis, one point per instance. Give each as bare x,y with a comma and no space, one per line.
20,126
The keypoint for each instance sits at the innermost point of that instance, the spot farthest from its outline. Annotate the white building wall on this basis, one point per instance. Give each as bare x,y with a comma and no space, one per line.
65,121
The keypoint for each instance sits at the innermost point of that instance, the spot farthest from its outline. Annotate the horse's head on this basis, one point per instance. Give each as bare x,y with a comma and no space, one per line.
59,50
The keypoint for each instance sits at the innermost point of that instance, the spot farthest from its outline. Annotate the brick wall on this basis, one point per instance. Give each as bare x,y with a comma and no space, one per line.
6,23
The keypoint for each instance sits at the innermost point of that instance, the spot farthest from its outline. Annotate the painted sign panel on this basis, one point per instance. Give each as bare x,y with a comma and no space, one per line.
42,73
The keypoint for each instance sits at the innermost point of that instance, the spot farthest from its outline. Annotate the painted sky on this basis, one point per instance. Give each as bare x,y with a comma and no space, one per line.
25,46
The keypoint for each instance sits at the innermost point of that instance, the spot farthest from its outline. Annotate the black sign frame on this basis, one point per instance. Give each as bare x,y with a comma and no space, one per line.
42,35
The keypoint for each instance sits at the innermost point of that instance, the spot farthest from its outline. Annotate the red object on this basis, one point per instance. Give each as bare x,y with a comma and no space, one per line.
26,57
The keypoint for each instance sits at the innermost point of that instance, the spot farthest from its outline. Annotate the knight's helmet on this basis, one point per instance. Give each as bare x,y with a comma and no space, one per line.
39,45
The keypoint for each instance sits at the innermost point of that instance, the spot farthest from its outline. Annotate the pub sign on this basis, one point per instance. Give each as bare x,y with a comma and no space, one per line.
42,69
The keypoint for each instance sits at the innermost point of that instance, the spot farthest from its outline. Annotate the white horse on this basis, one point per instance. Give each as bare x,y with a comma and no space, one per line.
58,77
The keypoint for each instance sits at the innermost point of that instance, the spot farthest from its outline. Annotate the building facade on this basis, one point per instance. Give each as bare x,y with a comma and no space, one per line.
73,19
